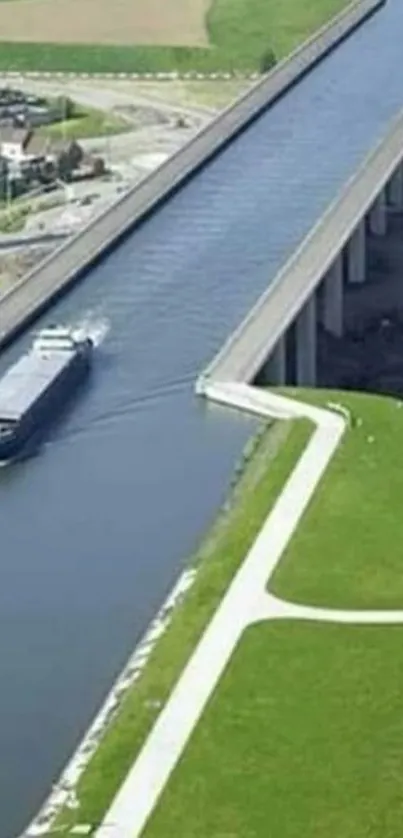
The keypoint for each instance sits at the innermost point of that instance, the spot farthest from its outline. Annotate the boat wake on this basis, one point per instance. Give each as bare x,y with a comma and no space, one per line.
91,326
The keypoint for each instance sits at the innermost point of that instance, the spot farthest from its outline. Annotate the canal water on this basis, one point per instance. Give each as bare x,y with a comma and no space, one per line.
95,529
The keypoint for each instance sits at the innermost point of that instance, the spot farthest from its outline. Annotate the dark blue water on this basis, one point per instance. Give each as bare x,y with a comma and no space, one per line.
95,529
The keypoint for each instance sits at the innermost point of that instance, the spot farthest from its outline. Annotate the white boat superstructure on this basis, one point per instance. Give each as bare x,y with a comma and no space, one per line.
54,339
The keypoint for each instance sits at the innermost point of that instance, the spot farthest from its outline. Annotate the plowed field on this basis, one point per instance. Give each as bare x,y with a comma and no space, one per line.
127,22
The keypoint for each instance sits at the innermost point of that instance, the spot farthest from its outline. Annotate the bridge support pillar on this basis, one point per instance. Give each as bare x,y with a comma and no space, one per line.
276,367
274,370
395,189
306,344
377,217
333,298
356,255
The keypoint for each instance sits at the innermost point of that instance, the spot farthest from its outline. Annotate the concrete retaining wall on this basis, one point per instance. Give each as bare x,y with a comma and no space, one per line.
54,275
247,349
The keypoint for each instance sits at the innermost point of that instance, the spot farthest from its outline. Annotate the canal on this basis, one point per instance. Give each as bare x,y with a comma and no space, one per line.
95,529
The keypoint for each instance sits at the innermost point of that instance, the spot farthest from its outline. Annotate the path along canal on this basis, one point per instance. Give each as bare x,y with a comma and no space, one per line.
95,530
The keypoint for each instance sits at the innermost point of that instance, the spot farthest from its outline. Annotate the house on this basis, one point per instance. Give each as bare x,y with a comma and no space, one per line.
13,142
66,148
22,145
30,151
32,158
37,147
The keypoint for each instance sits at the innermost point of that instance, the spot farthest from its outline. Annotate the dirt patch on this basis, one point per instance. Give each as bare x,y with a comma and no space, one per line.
14,265
129,22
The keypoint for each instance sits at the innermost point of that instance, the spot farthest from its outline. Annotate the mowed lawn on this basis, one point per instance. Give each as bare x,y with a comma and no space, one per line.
266,464
150,36
304,734
304,737
348,550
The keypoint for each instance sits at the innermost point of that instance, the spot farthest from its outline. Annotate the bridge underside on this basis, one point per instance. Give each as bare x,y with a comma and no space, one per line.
297,356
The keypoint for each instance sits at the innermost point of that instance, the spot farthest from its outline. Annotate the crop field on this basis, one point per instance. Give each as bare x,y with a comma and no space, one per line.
174,22
150,36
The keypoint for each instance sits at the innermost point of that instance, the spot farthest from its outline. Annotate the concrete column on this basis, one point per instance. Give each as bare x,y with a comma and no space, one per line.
277,362
377,216
306,344
333,298
356,253
274,370
395,189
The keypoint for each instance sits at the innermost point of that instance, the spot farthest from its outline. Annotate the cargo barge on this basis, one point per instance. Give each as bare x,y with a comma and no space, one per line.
33,390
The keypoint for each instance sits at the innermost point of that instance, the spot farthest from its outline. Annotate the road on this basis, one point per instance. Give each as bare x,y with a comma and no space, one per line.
110,95
128,482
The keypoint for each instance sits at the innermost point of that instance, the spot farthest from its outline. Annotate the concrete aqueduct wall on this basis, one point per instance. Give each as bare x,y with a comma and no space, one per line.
56,274
333,253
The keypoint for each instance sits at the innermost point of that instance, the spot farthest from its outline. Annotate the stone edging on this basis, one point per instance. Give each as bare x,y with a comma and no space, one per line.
63,792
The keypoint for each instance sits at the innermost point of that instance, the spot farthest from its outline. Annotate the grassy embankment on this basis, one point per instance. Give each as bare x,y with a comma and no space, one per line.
348,550
304,735
270,458
240,33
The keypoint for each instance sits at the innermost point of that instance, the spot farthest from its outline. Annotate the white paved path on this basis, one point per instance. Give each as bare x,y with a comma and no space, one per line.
149,774
245,602
271,608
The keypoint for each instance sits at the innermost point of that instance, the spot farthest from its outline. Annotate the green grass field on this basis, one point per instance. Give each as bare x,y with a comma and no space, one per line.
88,122
348,552
304,737
270,458
240,32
